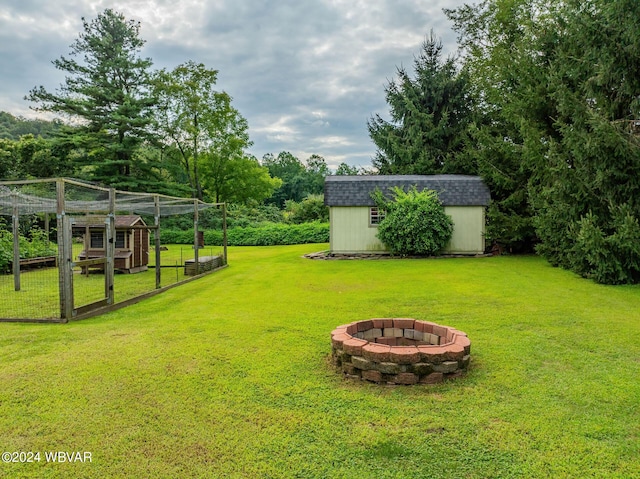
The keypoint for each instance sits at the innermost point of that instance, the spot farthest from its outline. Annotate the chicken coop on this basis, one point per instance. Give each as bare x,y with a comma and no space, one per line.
132,243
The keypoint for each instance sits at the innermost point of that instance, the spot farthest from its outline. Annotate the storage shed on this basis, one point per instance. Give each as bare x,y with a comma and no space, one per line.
131,241
354,216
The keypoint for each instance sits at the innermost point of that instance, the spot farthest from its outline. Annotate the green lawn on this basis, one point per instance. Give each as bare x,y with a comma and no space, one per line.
228,376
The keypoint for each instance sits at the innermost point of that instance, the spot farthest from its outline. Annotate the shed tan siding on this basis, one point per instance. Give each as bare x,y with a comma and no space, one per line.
351,232
468,229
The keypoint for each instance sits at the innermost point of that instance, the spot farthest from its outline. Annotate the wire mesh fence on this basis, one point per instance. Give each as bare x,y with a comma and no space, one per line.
37,296
68,249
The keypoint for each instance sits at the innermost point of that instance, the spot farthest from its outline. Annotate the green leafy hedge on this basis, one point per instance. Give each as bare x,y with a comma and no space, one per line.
33,246
268,235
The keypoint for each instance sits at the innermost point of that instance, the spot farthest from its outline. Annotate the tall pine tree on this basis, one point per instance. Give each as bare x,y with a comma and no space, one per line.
107,93
430,115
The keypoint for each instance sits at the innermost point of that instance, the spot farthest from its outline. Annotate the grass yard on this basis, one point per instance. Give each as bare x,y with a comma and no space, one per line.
227,377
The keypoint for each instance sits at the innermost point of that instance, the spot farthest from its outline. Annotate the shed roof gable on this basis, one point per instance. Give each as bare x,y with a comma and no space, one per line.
453,190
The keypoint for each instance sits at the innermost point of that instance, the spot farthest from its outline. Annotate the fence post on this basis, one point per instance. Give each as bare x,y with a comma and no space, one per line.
156,223
224,233
195,236
15,227
110,249
65,266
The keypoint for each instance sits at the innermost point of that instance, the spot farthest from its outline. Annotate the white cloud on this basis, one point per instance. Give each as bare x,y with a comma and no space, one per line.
306,75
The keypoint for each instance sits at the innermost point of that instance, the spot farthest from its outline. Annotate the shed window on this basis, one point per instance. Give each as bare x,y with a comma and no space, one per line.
97,239
376,215
120,239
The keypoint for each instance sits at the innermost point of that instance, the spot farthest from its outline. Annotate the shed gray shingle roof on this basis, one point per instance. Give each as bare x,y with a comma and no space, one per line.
453,190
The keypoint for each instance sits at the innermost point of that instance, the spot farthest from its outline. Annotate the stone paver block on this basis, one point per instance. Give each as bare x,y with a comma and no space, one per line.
432,354
464,364
455,352
403,323
388,368
417,335
433,378
404,355
422,369
405,378
376,352
387,341
382,323
372,375
464,342
361,363
349,369
392,332
446,367
338,339
364,325
440,331
370,334
354,346
424,326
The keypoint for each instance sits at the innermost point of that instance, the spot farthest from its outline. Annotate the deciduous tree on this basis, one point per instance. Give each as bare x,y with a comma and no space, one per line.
208,133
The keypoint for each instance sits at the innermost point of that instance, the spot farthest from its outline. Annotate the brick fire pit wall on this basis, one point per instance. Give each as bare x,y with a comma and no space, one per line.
400,351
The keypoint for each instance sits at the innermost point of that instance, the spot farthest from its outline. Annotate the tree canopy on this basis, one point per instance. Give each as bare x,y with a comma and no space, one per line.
544,103
12,127
208,135
299,180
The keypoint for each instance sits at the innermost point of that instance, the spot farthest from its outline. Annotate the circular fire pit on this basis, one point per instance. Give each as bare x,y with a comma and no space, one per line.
400,351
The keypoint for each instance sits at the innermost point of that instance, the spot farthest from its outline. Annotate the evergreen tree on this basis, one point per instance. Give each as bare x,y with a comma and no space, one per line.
429,118
587,188
560,90
497,41
107,92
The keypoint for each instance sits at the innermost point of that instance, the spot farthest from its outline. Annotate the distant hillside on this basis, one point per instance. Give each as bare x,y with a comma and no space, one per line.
12,127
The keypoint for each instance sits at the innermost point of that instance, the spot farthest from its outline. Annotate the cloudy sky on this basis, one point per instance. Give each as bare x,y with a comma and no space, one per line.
307,75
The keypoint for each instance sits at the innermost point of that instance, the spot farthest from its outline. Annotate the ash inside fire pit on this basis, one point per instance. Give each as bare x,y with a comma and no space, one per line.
400,351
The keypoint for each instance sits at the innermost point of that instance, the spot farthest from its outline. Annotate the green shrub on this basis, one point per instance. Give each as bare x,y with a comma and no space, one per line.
32,245
415,222
312,208
608,257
